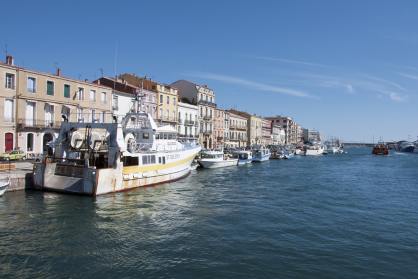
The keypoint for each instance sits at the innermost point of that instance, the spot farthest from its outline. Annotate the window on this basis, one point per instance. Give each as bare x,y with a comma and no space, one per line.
80,115
115,104
49,115
93,95
80,94
145,135
93,115
31,84
130,161
10,81
161,113
161,99
174,100
168,100
103,97
103,117
8,110
50,88
29,142
148,159
66,90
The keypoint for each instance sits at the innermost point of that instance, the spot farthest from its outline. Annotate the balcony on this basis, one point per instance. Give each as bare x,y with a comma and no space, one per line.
206,103
207,117
190,123
37,124
167,119
207,132
235,127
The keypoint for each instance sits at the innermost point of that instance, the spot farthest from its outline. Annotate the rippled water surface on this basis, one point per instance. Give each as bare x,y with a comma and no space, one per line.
349,216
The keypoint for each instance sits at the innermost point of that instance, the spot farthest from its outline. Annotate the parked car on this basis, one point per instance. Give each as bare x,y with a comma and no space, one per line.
13,155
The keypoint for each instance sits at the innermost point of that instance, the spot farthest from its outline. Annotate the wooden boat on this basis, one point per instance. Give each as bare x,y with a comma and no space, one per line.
380,149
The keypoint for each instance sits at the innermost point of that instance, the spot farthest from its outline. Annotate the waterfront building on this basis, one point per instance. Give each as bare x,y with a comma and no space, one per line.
219,128
278,134
8,95
310,135
266,138
124,96
188,122
289,126
204,98
237,131
41,102
147,88
254,127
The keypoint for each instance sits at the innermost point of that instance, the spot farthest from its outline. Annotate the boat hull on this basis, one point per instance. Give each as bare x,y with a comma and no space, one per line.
242,162
261,158
93,182
211,164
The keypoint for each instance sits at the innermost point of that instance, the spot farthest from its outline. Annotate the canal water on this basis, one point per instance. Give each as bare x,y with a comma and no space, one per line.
336,216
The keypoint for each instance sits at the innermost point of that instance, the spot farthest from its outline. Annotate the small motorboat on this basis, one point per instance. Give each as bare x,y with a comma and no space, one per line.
380,149
216,159
244,157
4,184
261,154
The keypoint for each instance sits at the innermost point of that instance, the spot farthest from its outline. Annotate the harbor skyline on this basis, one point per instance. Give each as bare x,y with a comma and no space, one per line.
347,79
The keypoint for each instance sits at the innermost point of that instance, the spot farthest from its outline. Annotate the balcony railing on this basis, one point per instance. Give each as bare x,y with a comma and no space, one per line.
168,119
235,127
207,117
38,123
207,103
207,132
190,123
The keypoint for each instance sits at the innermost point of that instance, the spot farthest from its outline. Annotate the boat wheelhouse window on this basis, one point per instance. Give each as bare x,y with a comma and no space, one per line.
145,135
130,161
148,159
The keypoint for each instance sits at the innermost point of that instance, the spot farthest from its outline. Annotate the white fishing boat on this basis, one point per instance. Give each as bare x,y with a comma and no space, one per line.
314,150
4,184
244,157
261,154
212,159
100,158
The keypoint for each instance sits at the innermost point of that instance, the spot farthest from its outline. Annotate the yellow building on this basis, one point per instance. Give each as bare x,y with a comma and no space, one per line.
42,101
167,104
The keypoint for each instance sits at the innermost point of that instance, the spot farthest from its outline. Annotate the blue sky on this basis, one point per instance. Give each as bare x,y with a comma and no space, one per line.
347,68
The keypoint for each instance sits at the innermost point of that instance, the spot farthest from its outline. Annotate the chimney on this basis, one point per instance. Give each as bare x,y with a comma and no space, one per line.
9,60
58,72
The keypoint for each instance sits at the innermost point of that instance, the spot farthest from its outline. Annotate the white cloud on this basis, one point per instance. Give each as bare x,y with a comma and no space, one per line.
414,77
252,84
290,61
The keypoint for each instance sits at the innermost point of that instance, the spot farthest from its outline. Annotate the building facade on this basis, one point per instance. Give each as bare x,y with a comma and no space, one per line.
219,128
188,121
278,135
8,136
204,98
266,138
237,131
289,126
42,101
146,88
311,135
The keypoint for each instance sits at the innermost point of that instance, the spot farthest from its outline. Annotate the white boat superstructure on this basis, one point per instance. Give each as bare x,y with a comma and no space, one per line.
100,158
4,184
244,157
212,159
314,150
261,154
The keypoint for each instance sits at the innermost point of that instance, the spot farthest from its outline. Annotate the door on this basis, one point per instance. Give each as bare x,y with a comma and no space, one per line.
8,141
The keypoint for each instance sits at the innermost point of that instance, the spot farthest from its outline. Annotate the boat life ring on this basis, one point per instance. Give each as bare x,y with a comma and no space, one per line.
76,140
130,142
96,141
